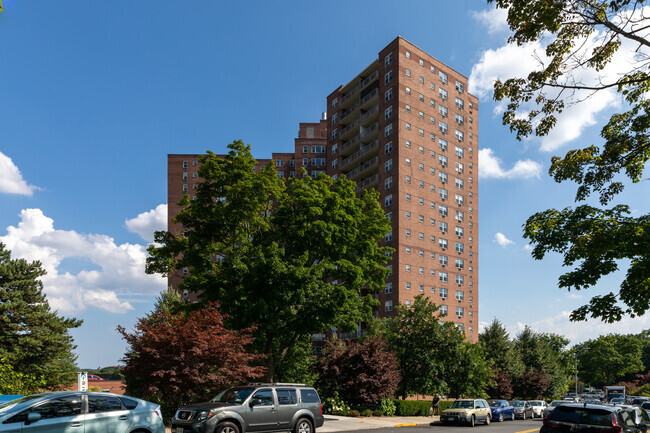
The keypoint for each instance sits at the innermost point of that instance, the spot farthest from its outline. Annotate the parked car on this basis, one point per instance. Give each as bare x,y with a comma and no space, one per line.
582,417
523,409
255,407
640,415
592,400
617,400
552,406
95,378
501,409
468,411
67,411
538,407
640,400
646,406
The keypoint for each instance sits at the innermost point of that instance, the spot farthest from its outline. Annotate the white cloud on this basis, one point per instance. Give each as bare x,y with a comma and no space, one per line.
502,240
147,223
511,60
11,179
489,166
528,247
578,332
494,20
120,267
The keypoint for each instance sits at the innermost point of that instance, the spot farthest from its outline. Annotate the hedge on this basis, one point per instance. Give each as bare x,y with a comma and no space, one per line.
417,408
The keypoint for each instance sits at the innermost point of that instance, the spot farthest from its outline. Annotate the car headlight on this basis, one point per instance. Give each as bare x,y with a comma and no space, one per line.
206,414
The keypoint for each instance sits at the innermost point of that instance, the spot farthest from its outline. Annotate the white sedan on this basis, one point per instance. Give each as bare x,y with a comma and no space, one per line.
538,407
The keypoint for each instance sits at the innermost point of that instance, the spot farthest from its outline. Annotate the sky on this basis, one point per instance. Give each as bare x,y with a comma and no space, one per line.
94,95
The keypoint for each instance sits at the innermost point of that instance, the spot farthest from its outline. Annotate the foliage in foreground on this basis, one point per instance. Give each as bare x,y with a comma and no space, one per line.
14,383
291,258
176,359
582,39
34,340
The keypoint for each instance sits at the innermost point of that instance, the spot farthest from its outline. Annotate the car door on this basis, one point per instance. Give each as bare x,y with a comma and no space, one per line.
56,415
106,415
287,406
261,413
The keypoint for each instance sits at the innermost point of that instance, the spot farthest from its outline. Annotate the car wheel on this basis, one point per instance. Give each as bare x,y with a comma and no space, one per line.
487,420
512,417
500,417
303,426
523,415
227,427
472,422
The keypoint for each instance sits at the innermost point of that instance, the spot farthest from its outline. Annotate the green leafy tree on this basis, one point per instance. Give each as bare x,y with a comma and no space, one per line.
298,365
544,353
586,35
292,258
14,383
425,347
34,340
609,358
499,348
469,373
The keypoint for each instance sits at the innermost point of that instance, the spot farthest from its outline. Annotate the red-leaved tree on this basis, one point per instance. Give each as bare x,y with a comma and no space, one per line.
362,373
181,358
502,387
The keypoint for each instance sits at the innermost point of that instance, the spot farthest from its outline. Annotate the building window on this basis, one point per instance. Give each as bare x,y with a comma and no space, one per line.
443,293
408,197
460,311
408,215
388,95
388,77
459,280
408,72
460,104
388,147
421,80
421,287
442,210
407,179
185,165
408,54
335,134
421,62
442,260
442,243
408,90
460,87
408,126
408,161
408,108
443,111
388,112
185,187
388,60
421,97
408,285
388,183
389,288
388,130
388,166
185,175
408,144
421,270
388,306
408,233
389,236
443,77
408,268
442,93
442,276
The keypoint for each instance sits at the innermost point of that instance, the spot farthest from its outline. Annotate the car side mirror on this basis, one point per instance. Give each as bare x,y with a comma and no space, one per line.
255,402
33,417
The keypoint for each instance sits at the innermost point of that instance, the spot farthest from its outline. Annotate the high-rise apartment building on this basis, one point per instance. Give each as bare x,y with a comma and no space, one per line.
406,126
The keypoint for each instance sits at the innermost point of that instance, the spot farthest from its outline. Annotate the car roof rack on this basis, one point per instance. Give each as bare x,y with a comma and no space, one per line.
276,384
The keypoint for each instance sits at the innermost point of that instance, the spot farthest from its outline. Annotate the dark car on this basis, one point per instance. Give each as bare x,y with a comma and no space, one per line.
501,409
258,407
523,409
592,418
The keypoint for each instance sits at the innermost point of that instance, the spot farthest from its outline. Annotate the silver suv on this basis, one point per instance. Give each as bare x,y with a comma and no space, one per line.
257,407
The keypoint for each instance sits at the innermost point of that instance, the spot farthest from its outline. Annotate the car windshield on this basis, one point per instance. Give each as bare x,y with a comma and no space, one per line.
462,404
535,403
7,405
496,403
518,403
234,395
556,403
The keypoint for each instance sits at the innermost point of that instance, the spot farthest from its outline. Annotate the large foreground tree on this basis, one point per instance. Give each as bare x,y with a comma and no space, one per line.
34,340
291,258
579,36
180,358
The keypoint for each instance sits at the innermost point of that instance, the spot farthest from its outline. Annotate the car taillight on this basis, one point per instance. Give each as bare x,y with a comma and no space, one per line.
158,412
615,427
321,409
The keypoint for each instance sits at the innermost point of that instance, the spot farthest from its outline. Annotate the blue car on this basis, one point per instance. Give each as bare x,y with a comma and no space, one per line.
501,409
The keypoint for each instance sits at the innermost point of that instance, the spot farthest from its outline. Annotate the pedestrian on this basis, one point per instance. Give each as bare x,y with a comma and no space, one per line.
434,405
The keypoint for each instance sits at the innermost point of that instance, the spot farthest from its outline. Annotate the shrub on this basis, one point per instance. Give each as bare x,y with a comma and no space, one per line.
367,412
643,390
412,408
377,413
363,373
387,407
353,412
335,405
444,405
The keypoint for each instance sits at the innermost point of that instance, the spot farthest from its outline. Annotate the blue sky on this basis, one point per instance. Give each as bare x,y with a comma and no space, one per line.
93,96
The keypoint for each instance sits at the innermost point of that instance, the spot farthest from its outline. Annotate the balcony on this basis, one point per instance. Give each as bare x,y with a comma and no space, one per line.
369,80
368,100
369,115
349,144
347,99
349,130
360,153
369,133
367,182
350,114
363,168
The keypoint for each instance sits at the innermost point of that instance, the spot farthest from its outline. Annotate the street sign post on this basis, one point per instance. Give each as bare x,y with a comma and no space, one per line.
82,381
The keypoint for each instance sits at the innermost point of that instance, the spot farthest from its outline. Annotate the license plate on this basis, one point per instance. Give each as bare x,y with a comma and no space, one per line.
452,418
179,430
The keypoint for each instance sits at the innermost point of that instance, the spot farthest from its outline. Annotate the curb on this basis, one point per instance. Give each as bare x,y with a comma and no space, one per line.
411,424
